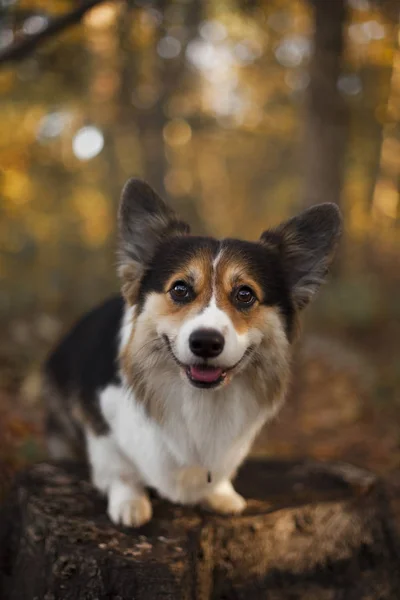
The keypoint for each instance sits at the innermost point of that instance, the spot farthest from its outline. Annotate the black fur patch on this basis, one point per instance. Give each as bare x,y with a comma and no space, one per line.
144,222
86,359
306,245
170,256
265,266
263,263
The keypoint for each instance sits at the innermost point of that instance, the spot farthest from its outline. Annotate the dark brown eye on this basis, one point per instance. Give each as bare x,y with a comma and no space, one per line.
180,292
244,296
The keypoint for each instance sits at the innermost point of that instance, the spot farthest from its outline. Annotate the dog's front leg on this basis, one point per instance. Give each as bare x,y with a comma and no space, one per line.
115,476
224,499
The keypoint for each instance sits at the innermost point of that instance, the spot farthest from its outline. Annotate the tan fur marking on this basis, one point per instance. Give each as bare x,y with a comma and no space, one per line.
130,274
133,363
228,276
269,370
144,347
164,307
267,374
198,273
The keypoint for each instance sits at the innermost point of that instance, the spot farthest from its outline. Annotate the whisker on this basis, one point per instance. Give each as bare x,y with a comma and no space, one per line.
156,341
149,342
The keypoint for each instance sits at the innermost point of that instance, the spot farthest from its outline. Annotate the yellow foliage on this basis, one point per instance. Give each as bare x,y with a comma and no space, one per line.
15,186
56,7
143,31
178,182
103,16
7,79
380,55
386,199
93,209
177,132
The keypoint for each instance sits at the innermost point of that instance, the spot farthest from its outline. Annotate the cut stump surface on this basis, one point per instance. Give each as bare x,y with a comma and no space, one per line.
312,531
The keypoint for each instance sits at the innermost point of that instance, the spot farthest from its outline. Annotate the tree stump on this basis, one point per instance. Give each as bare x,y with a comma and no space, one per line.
311,531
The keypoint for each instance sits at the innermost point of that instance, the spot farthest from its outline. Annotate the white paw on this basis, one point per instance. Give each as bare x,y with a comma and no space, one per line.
127,507
226,502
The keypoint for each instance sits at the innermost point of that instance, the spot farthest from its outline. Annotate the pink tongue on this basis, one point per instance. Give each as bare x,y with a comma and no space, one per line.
205,374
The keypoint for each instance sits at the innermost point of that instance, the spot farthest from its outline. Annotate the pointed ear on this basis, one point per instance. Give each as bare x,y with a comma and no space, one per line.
144,221
307,244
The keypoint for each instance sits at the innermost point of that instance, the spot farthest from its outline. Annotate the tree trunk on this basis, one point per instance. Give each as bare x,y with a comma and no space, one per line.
326,114
311,531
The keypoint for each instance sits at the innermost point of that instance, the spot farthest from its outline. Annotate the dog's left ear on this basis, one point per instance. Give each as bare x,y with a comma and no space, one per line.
306,244
144,221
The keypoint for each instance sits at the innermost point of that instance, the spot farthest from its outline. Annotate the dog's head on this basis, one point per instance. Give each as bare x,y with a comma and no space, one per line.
206,309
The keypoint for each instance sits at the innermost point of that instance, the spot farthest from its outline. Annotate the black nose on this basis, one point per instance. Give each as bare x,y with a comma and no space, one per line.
206,343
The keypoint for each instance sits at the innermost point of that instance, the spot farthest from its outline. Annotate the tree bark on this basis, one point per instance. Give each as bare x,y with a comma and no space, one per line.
311,531
326,115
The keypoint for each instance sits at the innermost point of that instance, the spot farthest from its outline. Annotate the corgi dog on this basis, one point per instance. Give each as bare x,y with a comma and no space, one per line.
166,385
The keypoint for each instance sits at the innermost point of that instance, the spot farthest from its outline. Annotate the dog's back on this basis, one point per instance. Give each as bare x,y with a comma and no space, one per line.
84,362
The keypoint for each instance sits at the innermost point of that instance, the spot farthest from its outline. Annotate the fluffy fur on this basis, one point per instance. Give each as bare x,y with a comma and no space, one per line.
167,386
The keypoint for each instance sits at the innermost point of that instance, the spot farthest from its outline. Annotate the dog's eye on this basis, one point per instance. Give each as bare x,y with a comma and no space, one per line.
180,292
244,296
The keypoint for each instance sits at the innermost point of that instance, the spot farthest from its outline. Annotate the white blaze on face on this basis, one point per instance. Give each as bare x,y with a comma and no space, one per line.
212,317
179,325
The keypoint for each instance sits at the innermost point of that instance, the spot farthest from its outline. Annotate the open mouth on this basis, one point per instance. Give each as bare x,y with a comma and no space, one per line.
203,375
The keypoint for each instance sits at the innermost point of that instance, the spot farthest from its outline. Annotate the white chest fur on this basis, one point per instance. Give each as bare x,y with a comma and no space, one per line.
201,433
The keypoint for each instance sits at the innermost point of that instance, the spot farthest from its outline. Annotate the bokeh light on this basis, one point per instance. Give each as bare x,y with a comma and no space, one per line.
88,142
169,47
35,24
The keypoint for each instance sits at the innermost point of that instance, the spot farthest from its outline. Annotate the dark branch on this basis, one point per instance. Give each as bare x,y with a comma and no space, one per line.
27,44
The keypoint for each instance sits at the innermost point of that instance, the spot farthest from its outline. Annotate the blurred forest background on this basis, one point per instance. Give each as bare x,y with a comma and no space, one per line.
241,112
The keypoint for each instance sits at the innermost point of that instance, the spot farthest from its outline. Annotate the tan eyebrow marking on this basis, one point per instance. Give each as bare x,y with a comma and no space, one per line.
197,272
230,273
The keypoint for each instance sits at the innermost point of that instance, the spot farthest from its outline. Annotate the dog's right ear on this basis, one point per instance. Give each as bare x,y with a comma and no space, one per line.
144,221
306,244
